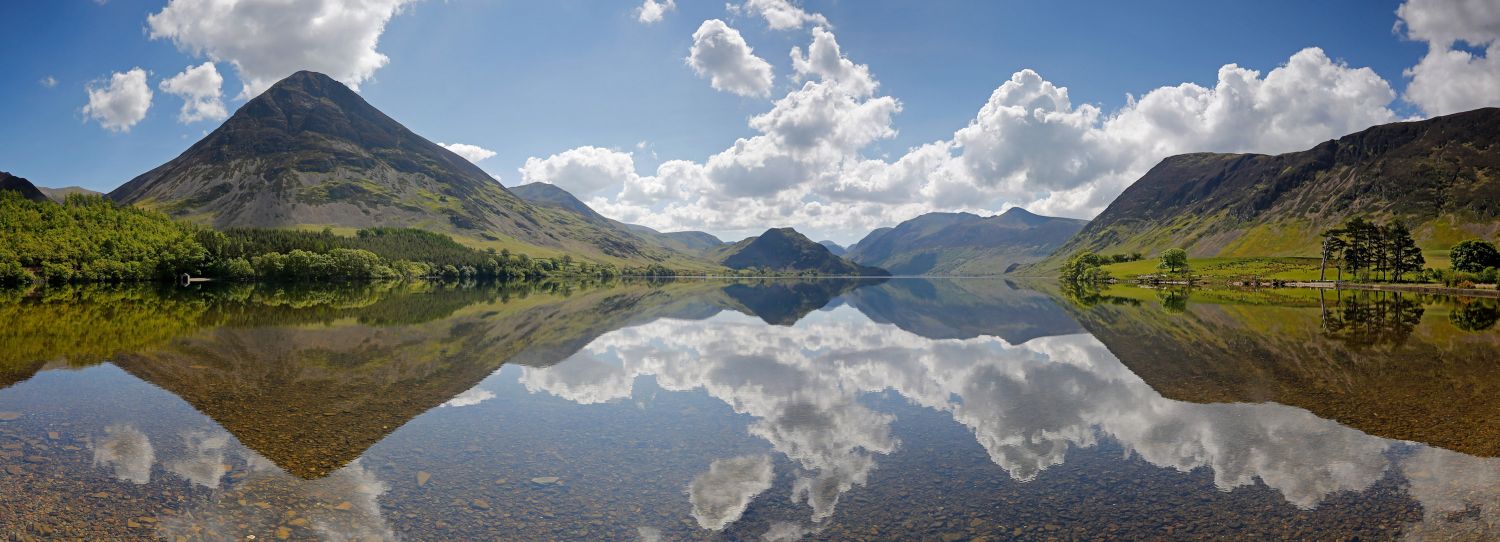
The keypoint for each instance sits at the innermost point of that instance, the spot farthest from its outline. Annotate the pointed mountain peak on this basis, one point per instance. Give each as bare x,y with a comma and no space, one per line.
1019,212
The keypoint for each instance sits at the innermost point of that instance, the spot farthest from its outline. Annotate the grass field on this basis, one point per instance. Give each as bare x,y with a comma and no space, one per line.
1265,267
1229,268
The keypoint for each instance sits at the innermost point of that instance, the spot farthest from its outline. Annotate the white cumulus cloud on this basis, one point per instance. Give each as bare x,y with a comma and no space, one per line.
720,54
582,170
472,153
1449,79
48,82
121,102
267,40
1030,145
652,11
779,14
199,87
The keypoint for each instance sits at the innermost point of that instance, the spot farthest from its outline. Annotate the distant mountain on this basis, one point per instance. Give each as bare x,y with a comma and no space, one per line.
833,247
310,152
1439,175
22,186
549,195
964,243
783,249
60,194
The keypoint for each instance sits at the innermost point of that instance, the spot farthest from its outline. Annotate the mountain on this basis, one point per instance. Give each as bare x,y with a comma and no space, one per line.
310,152
870,237
783,249
964,243
834,248
550,195
60,194
1438,175
22,186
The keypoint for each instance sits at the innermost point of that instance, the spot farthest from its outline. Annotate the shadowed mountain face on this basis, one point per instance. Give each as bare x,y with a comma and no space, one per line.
1436,174
783,249
963,243
12,183
310,151
833,248
1401,367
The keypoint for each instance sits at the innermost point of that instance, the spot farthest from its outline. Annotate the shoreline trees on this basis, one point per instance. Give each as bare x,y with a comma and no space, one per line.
92,239
1371,251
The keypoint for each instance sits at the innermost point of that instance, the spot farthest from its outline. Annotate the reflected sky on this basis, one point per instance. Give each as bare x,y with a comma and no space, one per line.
703,410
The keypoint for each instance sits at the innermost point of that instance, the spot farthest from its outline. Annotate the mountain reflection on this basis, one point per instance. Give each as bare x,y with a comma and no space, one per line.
1393,365
1027,404
297,385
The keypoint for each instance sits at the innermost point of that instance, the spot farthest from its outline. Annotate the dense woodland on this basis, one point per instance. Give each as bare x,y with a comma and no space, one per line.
91,239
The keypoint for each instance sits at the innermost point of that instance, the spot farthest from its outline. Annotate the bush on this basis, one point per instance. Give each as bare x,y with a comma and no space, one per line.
1083,268
1474,255
238,269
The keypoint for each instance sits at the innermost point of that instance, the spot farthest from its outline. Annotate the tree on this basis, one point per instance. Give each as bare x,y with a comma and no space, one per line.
1404,256
1084,268
1333,244
1174,260
1474,255
1358,251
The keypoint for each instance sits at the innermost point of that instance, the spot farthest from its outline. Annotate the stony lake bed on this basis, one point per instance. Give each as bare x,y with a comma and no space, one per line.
836,409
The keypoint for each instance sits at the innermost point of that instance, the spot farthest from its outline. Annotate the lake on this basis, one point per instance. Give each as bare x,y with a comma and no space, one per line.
834,409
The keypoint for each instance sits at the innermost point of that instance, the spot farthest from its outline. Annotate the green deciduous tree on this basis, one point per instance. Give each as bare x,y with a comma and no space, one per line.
1174,260
1474,255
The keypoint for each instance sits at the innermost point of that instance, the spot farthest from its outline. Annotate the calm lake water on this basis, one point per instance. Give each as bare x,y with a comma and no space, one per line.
775,410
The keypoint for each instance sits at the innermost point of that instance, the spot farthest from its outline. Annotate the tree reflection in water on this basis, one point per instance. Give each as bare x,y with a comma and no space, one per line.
1365,319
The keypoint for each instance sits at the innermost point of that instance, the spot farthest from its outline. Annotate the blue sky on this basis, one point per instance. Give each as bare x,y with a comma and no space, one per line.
535,79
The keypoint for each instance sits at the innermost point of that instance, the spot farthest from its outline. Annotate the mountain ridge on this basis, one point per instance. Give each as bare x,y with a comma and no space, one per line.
19,185
694,243
310,152
964,243
1437,174
785,249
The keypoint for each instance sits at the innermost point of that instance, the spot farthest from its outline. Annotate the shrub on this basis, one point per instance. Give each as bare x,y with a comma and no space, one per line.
1474,255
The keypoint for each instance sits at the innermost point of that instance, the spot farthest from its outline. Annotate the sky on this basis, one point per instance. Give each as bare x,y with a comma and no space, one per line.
831,116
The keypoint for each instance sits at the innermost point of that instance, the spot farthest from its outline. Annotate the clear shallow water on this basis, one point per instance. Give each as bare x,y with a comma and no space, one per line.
902,409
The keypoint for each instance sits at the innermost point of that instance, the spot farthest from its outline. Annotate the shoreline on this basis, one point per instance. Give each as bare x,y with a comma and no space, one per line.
1413,288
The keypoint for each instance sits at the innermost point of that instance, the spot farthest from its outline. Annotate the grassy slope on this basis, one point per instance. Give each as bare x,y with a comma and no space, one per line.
1437,175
